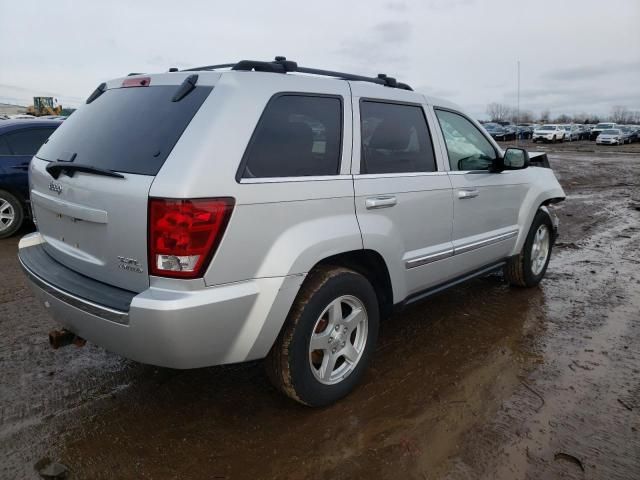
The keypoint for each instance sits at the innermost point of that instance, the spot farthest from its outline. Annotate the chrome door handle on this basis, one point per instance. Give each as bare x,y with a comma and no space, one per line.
462,194
380,202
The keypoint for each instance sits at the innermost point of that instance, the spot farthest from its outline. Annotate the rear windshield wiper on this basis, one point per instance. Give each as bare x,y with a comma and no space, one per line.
56,168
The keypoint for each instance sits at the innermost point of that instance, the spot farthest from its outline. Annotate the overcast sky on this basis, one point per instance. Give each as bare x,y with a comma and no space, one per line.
576,55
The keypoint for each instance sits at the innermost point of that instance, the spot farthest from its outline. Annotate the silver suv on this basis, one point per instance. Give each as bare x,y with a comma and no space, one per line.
261,209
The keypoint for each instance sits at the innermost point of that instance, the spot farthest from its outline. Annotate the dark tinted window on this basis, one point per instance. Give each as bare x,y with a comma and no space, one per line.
4,147
296,136
129,130
27,141
395,139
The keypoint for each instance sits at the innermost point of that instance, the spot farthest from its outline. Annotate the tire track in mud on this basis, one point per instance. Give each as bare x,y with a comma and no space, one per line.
590,361
452,392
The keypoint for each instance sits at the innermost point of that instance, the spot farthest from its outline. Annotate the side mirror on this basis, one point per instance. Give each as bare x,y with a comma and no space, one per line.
515,159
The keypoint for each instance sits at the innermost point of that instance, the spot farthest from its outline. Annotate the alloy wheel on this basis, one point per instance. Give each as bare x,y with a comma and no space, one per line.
7,215
338,340
540,249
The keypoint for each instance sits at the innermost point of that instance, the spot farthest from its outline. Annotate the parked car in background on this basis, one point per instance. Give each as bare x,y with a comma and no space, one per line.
612,136
571,132
595,131
524,132
510,132
496,131
635,135
19,141
627,134
549,133
583,132
153,230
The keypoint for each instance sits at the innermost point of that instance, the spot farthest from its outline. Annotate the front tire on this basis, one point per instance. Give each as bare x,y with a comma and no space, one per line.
328,338
529,267
11,214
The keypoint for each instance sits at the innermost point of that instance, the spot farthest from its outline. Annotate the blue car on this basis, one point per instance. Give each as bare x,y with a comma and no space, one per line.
19,141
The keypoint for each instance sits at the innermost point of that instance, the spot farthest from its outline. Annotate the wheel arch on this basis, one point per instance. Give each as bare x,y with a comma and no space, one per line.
24,202
368,263
537,199
371,265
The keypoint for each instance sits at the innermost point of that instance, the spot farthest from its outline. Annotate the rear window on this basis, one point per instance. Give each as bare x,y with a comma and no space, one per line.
129,130
27,141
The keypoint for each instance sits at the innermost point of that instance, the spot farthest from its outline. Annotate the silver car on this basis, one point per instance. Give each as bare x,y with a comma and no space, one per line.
246,211
612,136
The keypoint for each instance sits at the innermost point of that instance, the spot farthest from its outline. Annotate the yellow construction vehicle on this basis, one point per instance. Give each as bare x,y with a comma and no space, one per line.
44,106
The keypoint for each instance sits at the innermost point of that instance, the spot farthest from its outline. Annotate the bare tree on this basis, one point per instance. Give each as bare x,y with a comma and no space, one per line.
620,114
526,116
564,118
498,111
545,115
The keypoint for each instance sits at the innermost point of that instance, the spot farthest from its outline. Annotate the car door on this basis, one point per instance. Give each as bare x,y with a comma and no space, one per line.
485,205
19,146
402,193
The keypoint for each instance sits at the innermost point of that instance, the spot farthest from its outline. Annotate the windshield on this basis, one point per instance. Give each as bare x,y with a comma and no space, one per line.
547,127
129,130
611,132
604,125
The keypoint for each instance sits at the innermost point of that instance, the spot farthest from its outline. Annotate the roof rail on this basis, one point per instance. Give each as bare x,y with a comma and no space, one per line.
282,65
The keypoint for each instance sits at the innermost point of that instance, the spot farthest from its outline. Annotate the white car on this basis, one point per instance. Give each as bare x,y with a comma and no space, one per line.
613,136
549,133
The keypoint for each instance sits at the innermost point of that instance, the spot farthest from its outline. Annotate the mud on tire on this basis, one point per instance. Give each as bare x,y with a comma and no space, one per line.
289,363
518,270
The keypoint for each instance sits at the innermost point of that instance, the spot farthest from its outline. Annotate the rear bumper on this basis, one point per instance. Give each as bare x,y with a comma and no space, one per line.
172,328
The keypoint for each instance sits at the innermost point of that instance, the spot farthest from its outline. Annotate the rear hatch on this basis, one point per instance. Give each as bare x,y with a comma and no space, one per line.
92,210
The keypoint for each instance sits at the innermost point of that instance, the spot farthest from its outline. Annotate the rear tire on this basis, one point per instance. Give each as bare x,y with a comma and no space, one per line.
337,310
529,267
11,214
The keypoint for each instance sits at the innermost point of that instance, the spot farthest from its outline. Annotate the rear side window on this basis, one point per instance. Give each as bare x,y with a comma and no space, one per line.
27,141
297,136
130,130
4,147
395,139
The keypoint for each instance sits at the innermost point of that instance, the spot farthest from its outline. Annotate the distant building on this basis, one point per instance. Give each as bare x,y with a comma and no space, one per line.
8,109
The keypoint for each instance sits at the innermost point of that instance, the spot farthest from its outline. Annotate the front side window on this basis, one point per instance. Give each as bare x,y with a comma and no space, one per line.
467,147
27,141
297,136
395,139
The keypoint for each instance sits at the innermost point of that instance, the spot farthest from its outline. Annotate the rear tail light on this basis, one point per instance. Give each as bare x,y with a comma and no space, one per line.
184,234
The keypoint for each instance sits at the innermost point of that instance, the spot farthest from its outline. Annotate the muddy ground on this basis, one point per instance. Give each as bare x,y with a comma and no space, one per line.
481,382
